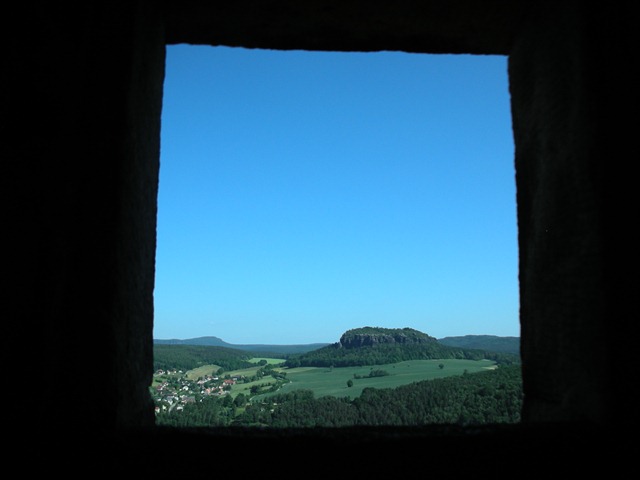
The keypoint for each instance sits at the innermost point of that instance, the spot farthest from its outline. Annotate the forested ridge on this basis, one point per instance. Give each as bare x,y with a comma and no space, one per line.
188,357
256,348
491,343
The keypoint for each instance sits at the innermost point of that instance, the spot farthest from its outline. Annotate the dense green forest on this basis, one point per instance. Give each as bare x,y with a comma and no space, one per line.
491,343
188,357
493,396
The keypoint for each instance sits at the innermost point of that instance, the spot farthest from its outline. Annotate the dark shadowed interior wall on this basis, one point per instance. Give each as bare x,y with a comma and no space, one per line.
81,126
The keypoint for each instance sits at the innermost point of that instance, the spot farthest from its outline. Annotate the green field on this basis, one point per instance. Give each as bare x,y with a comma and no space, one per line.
333,381
270,361
202,371
211,369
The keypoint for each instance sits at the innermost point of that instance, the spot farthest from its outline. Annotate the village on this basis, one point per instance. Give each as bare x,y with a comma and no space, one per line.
173,389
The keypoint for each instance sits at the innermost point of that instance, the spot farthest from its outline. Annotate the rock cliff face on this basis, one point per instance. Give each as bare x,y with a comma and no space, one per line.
369,336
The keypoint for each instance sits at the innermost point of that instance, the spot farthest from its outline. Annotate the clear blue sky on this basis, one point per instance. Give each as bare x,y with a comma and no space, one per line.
303,194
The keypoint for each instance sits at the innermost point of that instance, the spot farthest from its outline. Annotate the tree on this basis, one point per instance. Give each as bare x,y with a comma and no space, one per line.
349,383
240,400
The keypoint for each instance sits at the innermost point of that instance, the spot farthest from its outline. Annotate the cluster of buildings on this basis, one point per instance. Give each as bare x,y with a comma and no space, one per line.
176,390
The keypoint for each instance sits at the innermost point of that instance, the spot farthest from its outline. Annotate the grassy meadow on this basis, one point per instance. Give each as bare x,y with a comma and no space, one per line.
211,369
333,381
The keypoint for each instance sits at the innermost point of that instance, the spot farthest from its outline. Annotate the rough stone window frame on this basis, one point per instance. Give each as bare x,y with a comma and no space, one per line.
81,119
81,108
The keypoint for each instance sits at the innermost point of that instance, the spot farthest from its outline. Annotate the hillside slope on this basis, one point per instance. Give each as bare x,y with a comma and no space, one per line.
211,341
378,346
491,343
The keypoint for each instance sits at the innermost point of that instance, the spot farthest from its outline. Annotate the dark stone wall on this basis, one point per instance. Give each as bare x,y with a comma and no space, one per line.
81,123
570,76
453,26
81,102
559,211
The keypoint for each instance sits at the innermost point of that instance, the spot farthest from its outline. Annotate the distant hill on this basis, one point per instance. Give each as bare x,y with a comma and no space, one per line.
262,348
378,346
207,341
368,336
491,343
